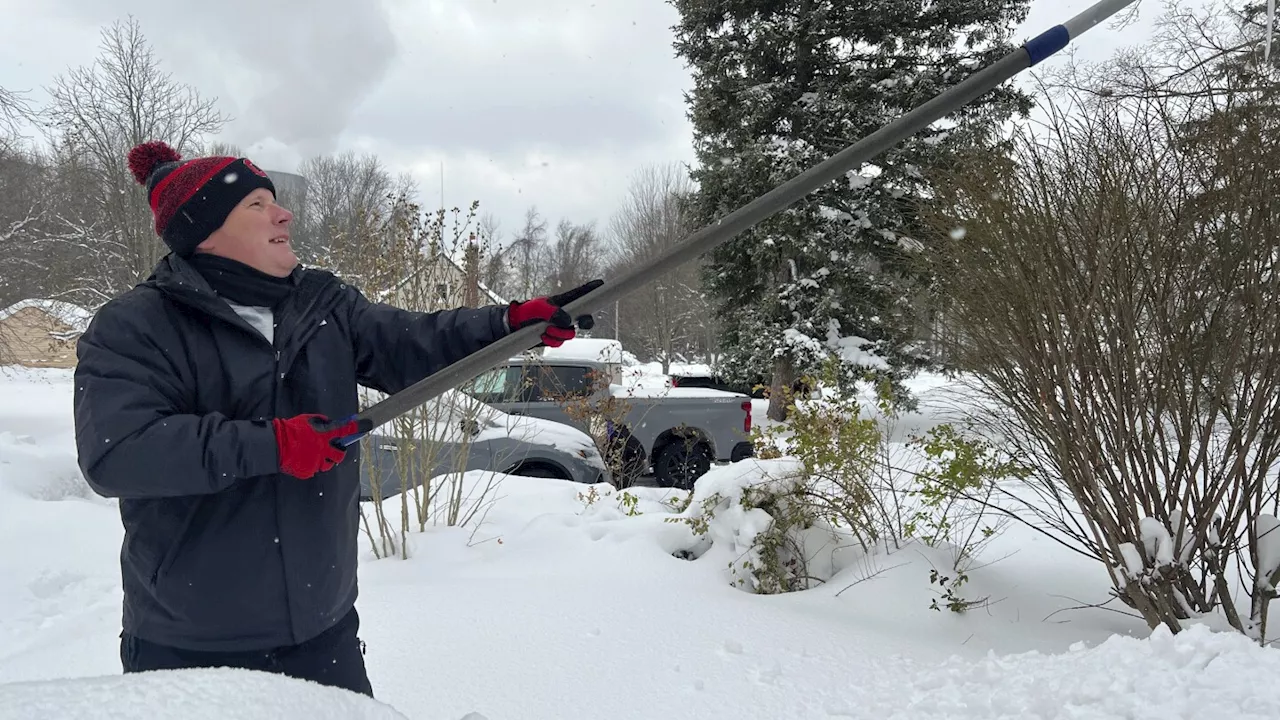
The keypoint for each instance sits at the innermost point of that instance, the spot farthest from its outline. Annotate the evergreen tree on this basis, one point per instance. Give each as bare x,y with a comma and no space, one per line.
779,86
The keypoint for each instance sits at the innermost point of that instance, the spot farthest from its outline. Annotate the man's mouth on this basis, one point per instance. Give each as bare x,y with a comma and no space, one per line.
279,240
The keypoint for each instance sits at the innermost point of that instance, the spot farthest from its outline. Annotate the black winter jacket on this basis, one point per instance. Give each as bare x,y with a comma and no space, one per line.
174,394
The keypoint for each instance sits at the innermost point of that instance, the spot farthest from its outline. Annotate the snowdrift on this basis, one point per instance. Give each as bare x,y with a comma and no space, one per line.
569,601
215,694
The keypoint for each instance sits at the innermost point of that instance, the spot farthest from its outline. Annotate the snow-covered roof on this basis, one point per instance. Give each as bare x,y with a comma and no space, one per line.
586,349
73,316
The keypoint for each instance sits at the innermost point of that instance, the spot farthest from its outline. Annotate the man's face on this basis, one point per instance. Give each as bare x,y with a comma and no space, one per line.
256,233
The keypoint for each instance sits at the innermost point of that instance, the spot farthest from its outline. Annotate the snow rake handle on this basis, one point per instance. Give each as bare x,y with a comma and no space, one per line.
758,210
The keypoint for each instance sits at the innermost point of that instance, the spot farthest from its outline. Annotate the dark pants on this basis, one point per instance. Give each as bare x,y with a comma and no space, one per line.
335,657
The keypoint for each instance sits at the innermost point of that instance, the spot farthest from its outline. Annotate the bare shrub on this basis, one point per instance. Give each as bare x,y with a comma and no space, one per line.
406,258
1115,298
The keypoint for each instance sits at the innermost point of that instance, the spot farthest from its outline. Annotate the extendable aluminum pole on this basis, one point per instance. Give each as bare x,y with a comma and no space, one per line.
851,158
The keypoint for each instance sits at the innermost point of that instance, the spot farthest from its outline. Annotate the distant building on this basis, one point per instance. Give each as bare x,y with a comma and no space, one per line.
291,189
441,282
291,192
41,333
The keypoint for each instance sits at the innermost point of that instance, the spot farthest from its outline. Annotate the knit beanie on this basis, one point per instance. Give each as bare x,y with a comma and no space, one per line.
191,199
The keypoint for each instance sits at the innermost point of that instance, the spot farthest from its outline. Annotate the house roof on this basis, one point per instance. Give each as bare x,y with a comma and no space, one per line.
441,255
73,316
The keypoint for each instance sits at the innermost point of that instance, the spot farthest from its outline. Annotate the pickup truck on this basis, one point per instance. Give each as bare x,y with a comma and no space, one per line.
676,432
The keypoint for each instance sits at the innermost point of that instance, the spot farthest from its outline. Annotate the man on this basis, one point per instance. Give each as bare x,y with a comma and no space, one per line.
197,395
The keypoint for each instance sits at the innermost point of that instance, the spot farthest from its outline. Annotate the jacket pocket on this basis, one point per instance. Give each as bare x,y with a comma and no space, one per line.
175,546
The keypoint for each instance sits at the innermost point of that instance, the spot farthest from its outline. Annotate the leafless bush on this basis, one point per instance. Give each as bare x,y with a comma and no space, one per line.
1115,297
407,259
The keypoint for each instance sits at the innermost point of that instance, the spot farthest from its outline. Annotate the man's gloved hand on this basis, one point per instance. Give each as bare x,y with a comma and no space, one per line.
305,449
548,309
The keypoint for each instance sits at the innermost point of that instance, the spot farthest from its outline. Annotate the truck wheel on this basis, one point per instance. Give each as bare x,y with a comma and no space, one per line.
681,463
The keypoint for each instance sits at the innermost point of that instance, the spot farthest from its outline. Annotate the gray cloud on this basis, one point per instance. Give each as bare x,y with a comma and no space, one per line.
290,73
314,67
553,103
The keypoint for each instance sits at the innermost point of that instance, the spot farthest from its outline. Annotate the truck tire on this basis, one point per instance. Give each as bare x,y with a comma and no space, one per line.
680,463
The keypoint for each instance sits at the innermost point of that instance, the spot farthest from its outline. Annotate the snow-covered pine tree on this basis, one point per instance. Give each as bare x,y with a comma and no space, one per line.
780,85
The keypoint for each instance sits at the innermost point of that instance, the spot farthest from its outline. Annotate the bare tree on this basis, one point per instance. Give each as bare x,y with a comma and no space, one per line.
1116,293
102,111
495,270
349,198
15,111
669,316
527,256
574,257
219,148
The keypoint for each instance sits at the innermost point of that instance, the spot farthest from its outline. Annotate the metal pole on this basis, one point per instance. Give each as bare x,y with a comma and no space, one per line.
851,158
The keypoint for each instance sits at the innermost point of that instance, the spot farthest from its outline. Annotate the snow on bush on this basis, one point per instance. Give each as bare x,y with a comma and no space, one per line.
750,517
832,488
205,694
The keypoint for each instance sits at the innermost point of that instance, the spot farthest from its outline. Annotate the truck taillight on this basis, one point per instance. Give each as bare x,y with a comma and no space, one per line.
746,422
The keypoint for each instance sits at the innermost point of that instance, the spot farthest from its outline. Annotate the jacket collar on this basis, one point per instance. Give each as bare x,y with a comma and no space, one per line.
178,280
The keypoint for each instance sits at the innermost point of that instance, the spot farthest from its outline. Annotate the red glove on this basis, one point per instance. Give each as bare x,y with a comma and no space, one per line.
549,310
305,449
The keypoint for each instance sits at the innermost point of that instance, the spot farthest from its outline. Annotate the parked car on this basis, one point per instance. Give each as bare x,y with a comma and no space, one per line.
676,432
457,433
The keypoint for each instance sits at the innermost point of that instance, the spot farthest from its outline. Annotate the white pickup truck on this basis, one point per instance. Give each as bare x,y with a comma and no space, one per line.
676,432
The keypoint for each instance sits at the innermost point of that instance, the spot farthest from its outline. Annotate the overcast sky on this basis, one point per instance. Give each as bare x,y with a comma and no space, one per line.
553,103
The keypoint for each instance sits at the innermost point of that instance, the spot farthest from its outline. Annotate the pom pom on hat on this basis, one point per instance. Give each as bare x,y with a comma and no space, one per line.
145,157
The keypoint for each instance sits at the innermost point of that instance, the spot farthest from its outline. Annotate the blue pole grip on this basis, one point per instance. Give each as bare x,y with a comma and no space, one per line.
1047,43
363,426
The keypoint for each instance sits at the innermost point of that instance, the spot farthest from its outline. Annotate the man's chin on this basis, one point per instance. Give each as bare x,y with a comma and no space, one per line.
284,256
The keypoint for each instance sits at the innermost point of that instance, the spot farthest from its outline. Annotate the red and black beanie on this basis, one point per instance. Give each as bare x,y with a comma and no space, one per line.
190,199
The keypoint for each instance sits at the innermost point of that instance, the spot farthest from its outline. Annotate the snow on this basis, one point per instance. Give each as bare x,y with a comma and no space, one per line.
1156,540
212,694
1271,27
1268,530
1132,560
566,601
585,349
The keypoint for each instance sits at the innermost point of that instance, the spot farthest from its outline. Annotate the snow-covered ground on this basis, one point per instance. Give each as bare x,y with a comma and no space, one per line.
557,607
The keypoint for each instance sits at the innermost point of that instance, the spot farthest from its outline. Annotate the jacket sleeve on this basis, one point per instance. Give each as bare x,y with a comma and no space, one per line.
136,437
396,348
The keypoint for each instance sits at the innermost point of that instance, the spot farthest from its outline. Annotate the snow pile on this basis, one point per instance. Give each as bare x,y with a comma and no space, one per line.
215,694
587,349
729,527
1195,674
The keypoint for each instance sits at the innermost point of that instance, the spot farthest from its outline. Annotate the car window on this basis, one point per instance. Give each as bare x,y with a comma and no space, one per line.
558,382
490,383
500,385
